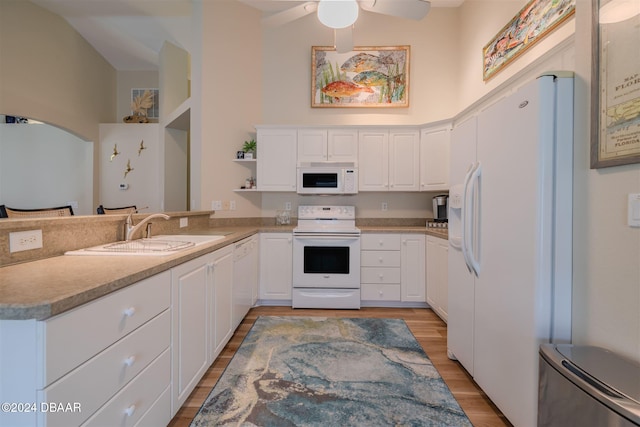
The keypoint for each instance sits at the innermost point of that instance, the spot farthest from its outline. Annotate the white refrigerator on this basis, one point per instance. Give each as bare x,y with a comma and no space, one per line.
510,238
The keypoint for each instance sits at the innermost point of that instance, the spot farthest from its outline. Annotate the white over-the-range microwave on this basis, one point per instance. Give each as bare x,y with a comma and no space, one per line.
327,178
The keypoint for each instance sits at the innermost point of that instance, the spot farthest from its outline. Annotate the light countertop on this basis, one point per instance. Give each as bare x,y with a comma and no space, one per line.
44,288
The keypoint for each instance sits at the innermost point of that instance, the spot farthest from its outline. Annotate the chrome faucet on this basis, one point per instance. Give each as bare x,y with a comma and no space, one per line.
130,229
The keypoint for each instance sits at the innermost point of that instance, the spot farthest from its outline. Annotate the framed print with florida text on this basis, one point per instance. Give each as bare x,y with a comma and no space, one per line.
365,77
615,134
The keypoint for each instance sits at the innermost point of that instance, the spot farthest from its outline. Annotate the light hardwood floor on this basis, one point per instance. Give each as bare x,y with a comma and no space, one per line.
426,326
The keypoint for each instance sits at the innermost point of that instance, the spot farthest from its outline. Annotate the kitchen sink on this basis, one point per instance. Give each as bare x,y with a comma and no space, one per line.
157,245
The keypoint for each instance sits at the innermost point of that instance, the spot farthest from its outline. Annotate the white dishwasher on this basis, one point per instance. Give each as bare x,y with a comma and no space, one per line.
587,386
245,278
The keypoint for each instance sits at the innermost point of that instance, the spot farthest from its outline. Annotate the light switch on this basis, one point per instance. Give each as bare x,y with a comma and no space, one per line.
633,213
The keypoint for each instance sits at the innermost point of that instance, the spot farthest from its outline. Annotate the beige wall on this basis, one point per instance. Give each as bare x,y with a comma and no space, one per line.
49,72
226,81
606,251
286,90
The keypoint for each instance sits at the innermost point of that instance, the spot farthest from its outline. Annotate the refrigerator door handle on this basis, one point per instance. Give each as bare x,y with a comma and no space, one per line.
469,226
464,215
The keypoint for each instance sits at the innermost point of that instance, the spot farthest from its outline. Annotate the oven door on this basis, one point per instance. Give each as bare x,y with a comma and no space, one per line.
326,261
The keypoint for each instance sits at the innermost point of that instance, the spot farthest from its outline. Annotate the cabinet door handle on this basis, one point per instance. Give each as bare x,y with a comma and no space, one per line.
129,361
129,312
130,410
381,276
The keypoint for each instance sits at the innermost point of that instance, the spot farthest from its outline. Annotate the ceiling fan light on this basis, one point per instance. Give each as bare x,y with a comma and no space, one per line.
338,13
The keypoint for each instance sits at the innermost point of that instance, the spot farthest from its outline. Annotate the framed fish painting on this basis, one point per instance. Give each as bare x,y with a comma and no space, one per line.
365,77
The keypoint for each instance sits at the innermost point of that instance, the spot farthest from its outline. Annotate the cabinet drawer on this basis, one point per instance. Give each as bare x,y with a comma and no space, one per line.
133,402
380,275
74,337
379,242
160,412
108,372
380,259
379,292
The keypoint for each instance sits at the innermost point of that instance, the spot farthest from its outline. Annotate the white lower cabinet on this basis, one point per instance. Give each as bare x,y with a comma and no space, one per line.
131,357
380,268
190,330
413,269
437,275
202,318
220,317
276,268
392,268
137,403
245,277
90,365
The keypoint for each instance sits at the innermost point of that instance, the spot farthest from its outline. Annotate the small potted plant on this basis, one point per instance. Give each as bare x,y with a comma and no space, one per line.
249,149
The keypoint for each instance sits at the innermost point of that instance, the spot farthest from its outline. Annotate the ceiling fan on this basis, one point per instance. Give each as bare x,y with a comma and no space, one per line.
341,15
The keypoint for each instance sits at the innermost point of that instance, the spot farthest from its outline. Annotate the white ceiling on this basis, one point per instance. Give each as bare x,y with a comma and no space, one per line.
129,33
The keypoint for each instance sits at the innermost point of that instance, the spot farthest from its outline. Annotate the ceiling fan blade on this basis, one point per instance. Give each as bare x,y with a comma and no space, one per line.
408,9
289,15
343,39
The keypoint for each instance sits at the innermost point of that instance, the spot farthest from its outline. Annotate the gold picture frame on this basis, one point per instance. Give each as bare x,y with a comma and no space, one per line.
366,77
615,83
531,24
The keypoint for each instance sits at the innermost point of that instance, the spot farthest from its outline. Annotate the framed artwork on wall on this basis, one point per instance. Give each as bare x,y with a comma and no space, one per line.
531,24
152,112
367,77
615,124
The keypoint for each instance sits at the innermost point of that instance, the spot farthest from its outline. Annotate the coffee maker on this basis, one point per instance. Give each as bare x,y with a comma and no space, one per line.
440,205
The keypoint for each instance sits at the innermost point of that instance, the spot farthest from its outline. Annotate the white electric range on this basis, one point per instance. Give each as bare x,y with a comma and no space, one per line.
326,258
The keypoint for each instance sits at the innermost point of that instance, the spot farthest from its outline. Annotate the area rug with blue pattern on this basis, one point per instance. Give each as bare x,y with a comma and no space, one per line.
320,371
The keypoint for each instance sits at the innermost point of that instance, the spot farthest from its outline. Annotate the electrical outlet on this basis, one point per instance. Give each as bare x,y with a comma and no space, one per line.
226,205
184,222
384,206
232,205
287,206
216,205
25,240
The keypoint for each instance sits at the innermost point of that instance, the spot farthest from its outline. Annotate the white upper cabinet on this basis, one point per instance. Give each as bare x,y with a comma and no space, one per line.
373,166
342,145
389,160
434,158
312,145
332,145
276,159
404,160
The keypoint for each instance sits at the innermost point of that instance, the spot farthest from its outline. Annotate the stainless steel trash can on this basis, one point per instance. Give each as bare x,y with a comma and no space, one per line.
587,386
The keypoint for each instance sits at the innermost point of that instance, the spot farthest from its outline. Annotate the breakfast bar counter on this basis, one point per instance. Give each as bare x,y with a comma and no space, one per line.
43,288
